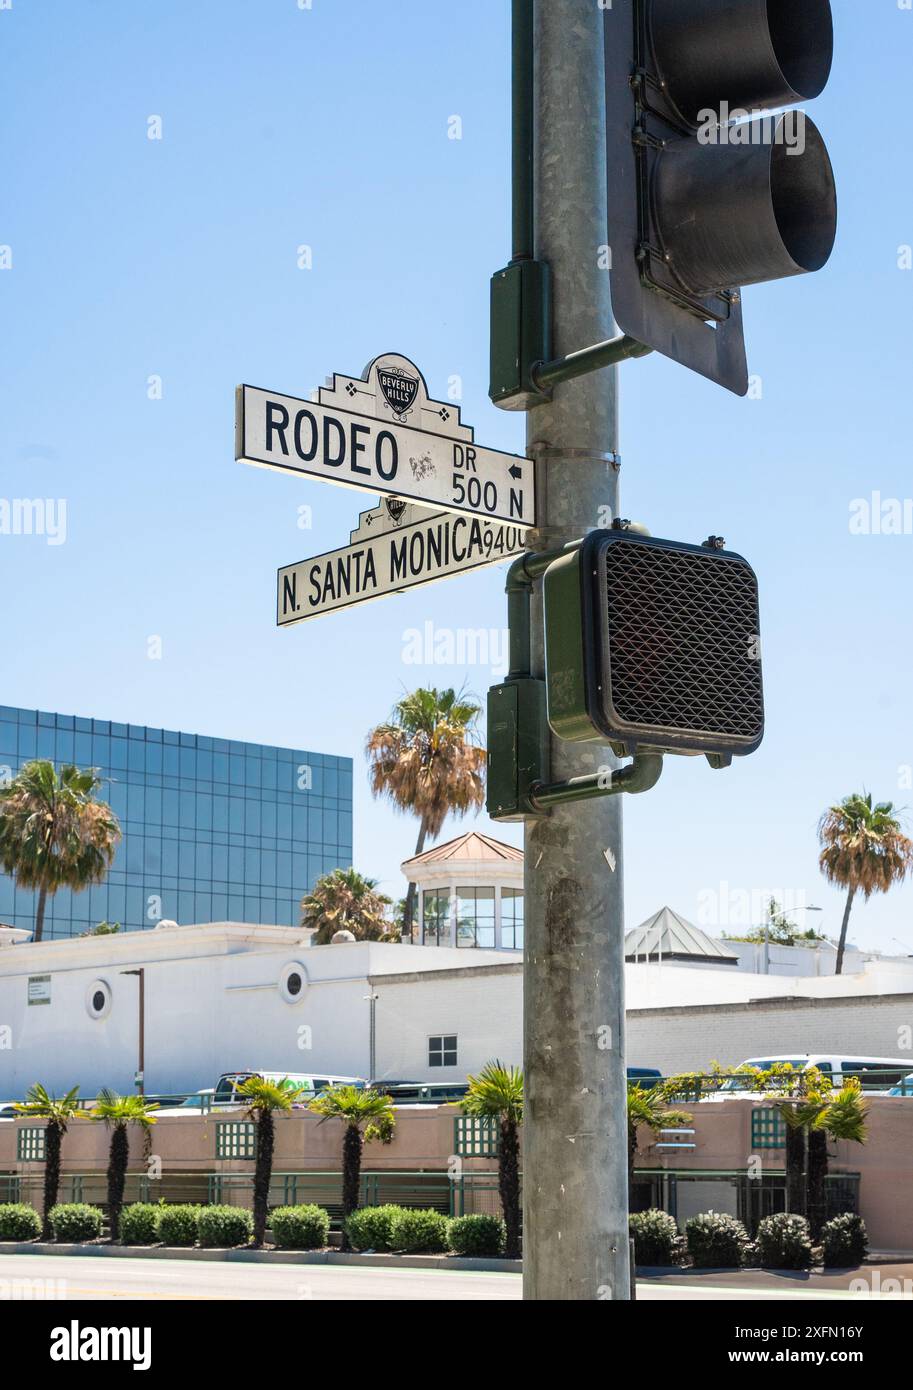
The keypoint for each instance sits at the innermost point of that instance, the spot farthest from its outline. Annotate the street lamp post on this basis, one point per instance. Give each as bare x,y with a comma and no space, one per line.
784,913
140,1080
372,1036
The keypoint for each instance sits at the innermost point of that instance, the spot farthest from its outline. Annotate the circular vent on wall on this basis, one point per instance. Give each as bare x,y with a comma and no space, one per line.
98,999
293,981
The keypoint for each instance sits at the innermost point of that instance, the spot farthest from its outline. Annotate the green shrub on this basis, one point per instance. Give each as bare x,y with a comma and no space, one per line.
420,1231
845,1241
480,1235
225,1226
18,1221
715,1240
178,1224
300,1228
371,1228
76,1221
656,1239
784,1242
139,1224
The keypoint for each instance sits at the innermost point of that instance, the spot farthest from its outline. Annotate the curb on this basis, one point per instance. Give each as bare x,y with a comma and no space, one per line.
279,1257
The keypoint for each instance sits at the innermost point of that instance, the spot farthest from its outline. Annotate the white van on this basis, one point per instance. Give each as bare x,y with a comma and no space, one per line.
874,1073
313,1083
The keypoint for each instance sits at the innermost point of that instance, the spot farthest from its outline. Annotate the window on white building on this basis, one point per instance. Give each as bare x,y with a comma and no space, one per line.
512,919
476,917
442,1050
436,917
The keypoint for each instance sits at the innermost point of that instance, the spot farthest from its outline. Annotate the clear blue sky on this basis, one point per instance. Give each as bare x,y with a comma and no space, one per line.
177,258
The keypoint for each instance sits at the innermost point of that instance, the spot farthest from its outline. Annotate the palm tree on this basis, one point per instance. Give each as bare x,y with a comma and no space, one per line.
647,1106
862,849
426,761
118,1113
821,1115
58,1112
367,1115
265,1100
54,833
345,901
496,1094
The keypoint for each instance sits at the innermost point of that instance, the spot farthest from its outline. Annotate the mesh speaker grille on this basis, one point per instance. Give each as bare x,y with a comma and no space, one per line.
683,642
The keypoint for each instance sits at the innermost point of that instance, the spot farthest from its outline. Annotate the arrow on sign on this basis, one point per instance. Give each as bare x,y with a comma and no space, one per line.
382,433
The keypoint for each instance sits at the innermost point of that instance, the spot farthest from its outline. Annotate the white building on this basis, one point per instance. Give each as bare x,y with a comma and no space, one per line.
227,997
469,894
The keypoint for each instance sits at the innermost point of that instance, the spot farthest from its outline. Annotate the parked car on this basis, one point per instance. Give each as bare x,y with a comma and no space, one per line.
226,1087
422,1092
197,1104
876,1074
903,1088
8,1110
647,1077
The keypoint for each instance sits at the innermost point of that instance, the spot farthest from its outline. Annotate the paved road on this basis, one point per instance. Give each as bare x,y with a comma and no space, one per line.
100,1277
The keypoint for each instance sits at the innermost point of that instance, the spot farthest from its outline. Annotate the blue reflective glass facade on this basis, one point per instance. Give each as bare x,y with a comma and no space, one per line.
213,830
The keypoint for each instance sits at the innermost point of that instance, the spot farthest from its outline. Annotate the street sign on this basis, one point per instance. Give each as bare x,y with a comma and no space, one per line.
39,989
382,433
395,547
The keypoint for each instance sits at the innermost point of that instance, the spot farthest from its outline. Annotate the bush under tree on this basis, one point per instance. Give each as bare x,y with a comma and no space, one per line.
76,1221
656,1238
479,1235
845,1242
371,1228
715,1240
19,1221
305,1227
139,1224
179,1224
784,1242
420,1232
225,1227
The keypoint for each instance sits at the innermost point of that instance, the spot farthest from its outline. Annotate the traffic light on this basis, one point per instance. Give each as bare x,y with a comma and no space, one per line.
706,192
654,644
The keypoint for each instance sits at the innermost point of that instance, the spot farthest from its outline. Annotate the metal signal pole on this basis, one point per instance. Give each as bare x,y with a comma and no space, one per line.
575,1131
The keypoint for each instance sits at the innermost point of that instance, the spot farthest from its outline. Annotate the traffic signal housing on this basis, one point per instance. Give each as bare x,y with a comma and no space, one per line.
654,644
706,192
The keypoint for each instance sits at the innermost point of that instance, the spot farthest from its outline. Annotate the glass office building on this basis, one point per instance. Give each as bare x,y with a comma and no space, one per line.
213,830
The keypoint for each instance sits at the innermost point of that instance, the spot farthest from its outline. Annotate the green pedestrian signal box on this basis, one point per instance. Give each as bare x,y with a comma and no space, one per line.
654,644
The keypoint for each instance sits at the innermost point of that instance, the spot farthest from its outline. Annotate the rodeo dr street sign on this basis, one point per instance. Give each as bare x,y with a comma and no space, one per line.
395,547
382,433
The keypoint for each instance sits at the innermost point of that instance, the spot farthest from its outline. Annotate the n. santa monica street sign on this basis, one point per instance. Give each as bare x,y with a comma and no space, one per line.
394,548
382,433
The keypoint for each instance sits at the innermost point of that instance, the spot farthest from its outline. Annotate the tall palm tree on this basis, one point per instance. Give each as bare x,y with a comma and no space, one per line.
54,833
862,850
426,761
345,900
58,1112
497,1094
367,1115
265,1100
822,1115
119,1113
647,1106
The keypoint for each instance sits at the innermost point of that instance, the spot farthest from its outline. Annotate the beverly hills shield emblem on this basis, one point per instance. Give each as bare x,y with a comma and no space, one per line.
400,389
395,507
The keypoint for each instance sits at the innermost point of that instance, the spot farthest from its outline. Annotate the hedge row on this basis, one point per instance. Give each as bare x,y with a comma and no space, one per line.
714,1240
294,1228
